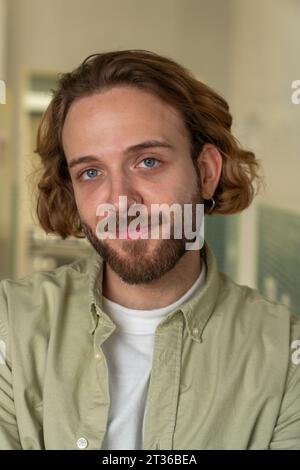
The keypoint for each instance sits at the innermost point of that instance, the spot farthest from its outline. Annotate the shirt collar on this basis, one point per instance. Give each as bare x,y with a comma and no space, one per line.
196,311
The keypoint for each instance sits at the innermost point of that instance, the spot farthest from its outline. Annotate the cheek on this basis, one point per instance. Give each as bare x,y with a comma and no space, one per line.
86,207
188,186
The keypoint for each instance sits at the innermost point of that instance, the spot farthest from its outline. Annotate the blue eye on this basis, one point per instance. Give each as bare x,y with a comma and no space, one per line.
91,174
150,160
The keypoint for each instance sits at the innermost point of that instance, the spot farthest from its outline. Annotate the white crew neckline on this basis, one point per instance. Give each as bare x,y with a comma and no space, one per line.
140,321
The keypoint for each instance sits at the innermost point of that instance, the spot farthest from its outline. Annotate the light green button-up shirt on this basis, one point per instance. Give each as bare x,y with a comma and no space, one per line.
225,371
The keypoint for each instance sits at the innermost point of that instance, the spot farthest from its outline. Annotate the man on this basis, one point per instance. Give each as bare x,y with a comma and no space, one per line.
144,345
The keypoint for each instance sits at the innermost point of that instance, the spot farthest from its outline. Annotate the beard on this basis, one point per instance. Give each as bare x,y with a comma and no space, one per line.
141,265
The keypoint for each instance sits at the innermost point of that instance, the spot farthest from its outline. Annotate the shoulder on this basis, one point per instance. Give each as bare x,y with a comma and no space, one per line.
258,319
249,304
268,332
37,280
42,291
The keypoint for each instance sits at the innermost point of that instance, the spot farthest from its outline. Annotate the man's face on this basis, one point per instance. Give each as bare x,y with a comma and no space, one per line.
103,126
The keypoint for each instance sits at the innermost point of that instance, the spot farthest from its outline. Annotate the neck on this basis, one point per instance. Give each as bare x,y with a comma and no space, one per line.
155,294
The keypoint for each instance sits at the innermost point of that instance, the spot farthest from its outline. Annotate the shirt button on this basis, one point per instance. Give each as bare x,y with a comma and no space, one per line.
82,443
195,331
98,356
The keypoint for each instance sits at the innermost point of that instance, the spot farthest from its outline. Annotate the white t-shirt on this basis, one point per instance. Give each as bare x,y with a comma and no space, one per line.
128,352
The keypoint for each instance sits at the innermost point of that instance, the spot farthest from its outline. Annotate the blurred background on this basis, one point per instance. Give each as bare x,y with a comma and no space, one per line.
247,50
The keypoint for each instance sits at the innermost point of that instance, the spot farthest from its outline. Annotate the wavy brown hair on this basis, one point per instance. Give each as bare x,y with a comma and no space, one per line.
204,112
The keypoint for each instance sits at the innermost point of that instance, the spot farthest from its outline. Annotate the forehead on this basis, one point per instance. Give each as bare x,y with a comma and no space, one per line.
120,116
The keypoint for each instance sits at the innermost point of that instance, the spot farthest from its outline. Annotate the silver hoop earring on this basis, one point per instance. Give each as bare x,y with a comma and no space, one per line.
212,205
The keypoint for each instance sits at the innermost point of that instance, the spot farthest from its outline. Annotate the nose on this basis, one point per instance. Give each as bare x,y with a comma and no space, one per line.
122,194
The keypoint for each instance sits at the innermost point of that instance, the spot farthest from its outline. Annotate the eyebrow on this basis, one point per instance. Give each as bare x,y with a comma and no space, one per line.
133,148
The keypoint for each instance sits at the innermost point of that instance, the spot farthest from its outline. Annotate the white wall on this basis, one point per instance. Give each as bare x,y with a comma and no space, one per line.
57,34
4,158
265,53
3,11
265,61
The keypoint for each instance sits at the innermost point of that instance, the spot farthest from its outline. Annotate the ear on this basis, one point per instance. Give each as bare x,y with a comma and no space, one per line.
210,166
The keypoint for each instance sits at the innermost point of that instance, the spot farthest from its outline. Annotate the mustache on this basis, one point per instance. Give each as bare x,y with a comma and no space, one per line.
144,221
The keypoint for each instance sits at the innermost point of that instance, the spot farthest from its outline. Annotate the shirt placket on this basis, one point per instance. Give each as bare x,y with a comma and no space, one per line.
163,392
95,423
